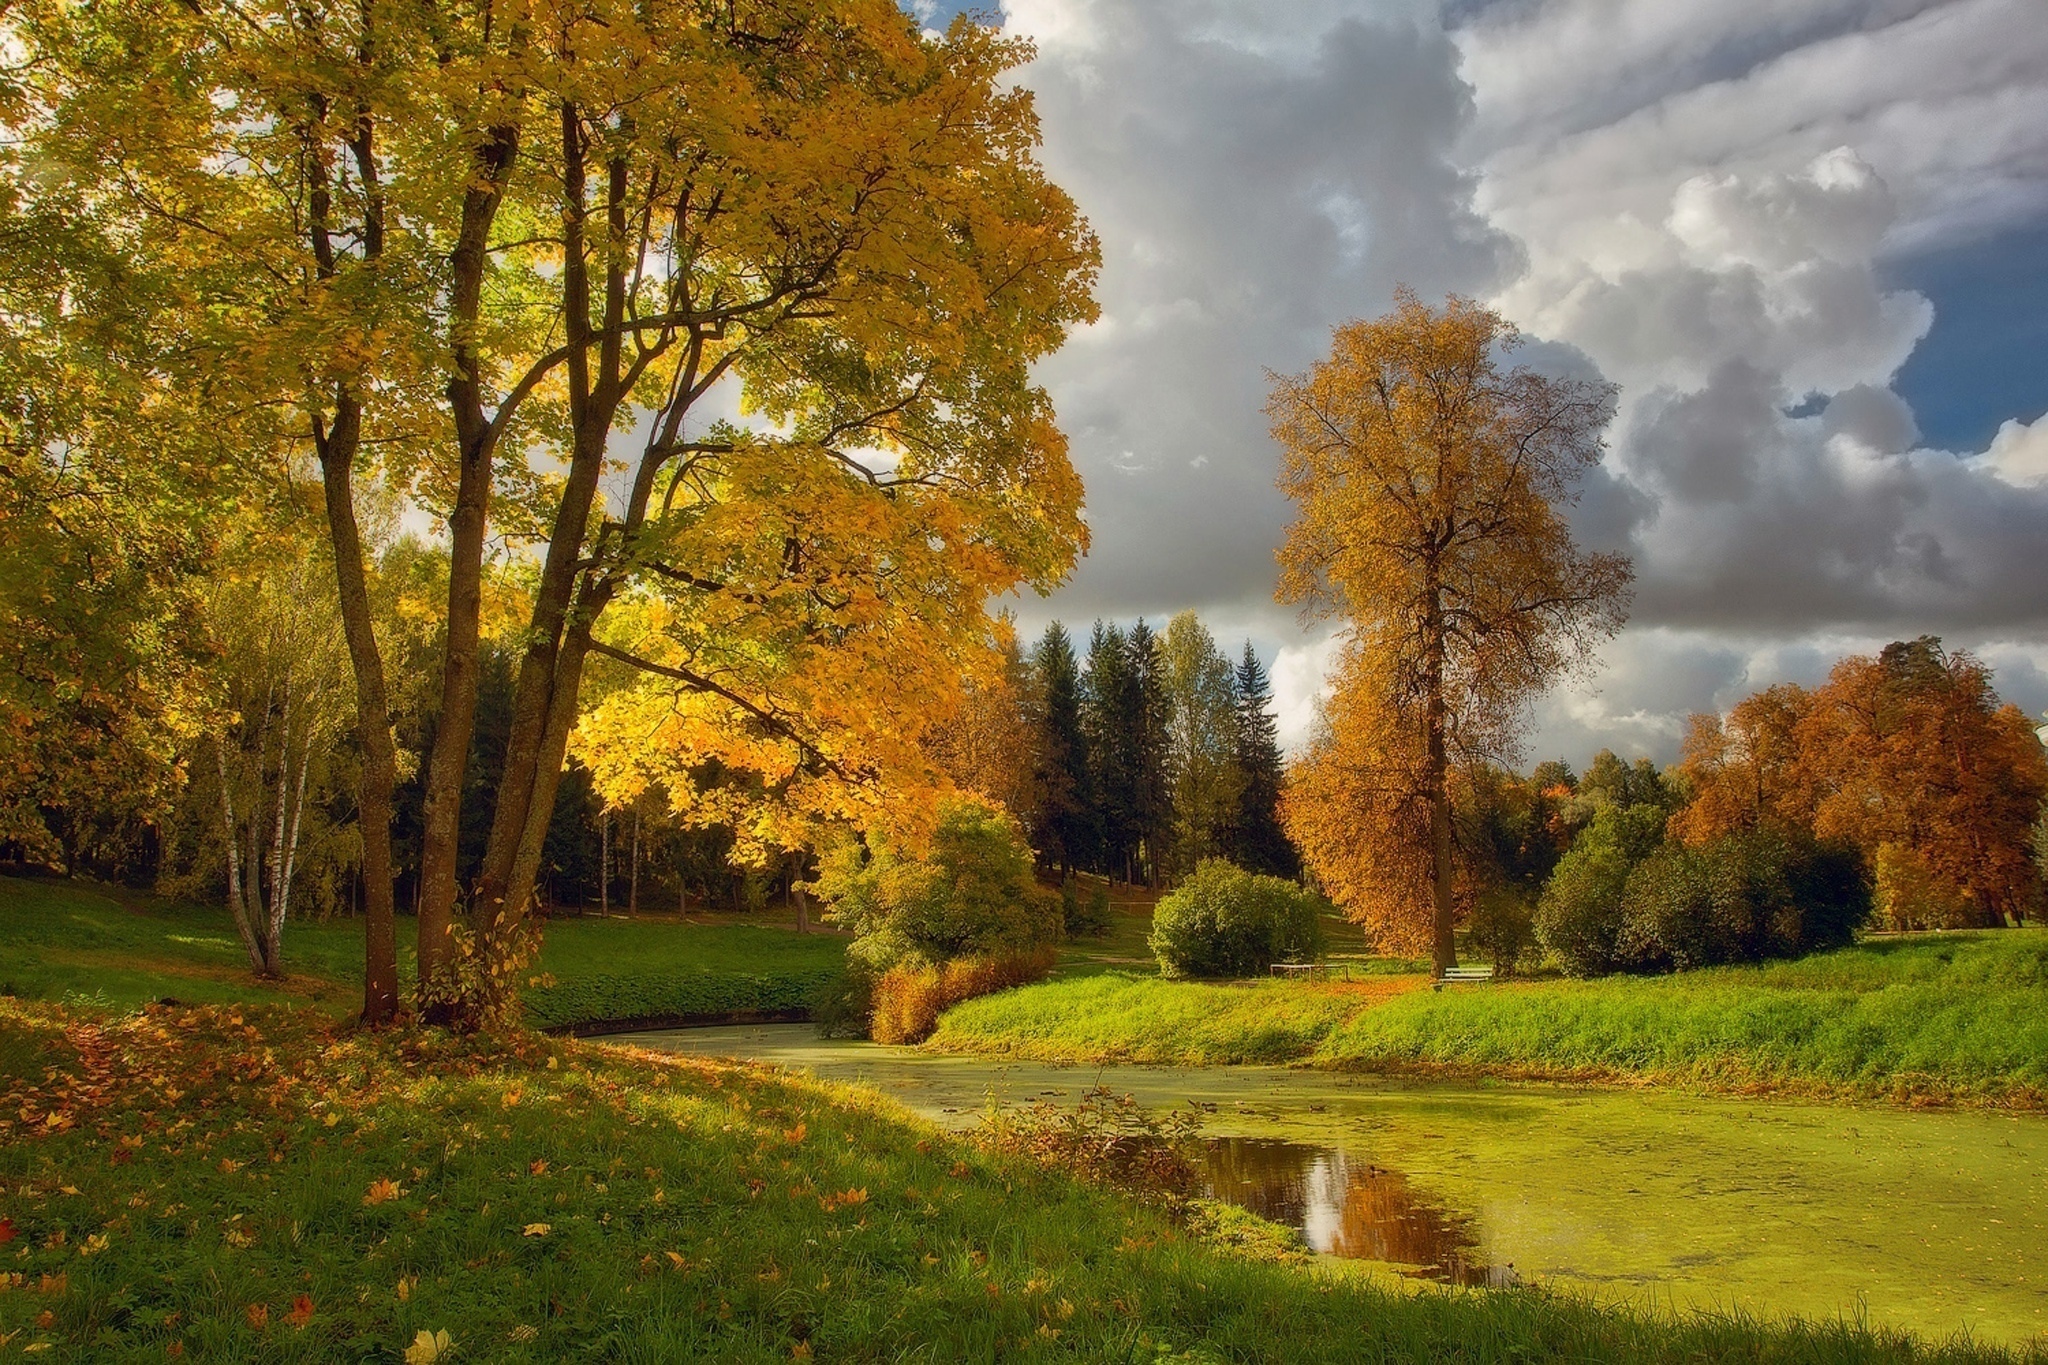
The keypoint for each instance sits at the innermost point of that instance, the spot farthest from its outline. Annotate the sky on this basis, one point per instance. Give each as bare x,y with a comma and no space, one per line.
1807,238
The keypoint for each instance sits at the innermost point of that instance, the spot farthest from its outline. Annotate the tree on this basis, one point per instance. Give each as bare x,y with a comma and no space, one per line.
279,708
1110,719
1152,774
1255,839
478,248
1914,759
1202,741
1063,830
1428,484
1745,772
989,746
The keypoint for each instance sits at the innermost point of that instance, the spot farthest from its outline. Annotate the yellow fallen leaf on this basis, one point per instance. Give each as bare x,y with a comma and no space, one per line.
537,1230
428,1348
382,1190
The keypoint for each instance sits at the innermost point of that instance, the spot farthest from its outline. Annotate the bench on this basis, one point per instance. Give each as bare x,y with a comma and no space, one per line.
1307,969
1463,976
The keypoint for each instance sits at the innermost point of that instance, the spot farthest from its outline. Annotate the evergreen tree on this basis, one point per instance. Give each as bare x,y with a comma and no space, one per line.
1151,768
1256,841
1109,712
1062,827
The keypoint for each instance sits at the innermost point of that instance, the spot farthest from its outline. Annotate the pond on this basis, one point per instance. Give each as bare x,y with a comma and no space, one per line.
1935,1221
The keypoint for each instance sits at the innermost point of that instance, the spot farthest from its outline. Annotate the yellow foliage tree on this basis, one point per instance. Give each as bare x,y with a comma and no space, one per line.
503,250
1428,483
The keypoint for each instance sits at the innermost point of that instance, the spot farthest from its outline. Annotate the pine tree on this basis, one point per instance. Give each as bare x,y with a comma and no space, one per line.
1062,827
1151,769
1108,714
1256,840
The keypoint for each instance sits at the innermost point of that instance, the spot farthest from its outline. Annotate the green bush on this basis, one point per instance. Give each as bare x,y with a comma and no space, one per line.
1503,928
1580,917
1746,897
1224,921
971,895
1085,918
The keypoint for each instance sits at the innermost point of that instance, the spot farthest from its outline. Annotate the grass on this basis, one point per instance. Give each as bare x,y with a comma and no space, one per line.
1118,1017
653,972
262,1184
1947,1017
66,941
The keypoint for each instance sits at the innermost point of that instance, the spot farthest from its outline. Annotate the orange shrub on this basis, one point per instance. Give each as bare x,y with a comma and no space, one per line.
909,1000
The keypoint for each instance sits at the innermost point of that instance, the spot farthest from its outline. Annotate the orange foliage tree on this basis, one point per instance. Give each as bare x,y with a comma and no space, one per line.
1429,483
1909,756
1914,758
1746,770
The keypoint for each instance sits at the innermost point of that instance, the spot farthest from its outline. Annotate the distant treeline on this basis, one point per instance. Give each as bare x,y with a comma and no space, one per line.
1135,757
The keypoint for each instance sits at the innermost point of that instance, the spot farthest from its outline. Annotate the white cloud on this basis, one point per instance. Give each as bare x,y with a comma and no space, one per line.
1696,201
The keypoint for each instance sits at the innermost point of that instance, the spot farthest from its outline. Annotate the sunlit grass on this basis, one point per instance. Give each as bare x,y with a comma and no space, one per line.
1957,1016
232,1184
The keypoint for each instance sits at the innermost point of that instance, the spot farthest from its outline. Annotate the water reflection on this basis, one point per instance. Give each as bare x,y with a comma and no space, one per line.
1350,1208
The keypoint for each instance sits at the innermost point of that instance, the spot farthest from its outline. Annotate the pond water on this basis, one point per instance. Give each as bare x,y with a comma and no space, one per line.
1936,1221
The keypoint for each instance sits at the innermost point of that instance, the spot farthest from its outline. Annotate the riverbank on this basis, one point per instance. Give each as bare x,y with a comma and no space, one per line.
1955,1018
230,1184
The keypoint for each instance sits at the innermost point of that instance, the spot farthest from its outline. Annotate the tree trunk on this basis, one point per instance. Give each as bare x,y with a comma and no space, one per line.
604,862
373,713
1436,778
237,903
633,881
449,764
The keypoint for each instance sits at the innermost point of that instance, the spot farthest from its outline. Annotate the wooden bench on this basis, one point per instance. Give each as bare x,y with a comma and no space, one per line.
1307,969
1463,976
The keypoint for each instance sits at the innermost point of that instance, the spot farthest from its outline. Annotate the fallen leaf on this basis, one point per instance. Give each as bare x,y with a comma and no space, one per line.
427,1348
258,1315
302,1311
537,1167
382,1190
8,1232
536,1230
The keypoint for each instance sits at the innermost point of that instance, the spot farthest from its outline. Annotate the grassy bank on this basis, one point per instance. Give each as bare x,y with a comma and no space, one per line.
68,942
1947,1017
227,1183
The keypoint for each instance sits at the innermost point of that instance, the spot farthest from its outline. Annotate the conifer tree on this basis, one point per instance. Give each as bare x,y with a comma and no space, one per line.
1109,707
1256,841
1062,827
1151,768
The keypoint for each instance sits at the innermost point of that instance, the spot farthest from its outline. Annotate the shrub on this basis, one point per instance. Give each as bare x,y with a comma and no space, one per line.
909,998
1224,921
1503,928
1745,897
1580,917
970,895
1087,918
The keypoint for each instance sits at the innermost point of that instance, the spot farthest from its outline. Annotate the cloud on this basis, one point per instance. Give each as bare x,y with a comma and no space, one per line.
1258,174
1696,201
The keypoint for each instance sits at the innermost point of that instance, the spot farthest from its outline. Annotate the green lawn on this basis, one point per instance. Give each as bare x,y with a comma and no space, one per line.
1952,1016
67,941
243,1183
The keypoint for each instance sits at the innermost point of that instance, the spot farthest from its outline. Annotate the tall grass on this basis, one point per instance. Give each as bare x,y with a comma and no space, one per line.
1122,1017
1957,1016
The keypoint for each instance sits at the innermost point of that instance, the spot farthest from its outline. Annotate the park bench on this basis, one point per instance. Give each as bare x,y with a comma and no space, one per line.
1307,969
1464,976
